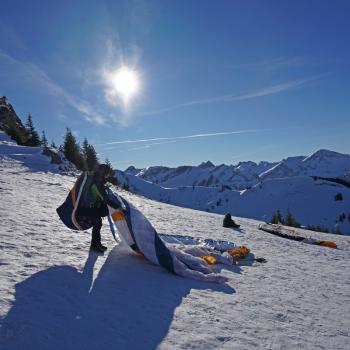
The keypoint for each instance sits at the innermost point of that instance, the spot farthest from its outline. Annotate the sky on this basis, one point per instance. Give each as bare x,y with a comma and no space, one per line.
225,81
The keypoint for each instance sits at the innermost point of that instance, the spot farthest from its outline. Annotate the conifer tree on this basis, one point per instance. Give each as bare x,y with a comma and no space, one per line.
274,219
277,217
109,164
32,134
53,145
71,150
291,221
44,142
90,156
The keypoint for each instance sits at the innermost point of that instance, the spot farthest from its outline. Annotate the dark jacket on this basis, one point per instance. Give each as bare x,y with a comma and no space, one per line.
95,194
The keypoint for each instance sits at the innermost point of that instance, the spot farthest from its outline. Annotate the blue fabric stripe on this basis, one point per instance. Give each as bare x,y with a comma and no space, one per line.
128,222
163,253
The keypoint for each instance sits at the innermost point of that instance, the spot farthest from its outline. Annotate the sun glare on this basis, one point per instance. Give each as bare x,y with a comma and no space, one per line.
125,82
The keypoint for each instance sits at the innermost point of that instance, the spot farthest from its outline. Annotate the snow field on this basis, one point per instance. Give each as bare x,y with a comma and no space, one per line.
54,294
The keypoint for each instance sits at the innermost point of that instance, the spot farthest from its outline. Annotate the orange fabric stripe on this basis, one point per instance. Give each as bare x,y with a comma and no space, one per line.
73,195
118,215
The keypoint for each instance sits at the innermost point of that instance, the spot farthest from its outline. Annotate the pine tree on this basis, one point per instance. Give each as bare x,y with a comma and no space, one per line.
85,146
32,134
53,145
291,221
109,165
274,219
90,156
279,217
71,150
44,142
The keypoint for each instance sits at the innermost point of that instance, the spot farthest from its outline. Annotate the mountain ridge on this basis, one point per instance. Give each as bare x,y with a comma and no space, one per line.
307,186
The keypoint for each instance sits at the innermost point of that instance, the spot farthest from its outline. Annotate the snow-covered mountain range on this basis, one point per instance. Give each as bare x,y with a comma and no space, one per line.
206,174
315,188
323,163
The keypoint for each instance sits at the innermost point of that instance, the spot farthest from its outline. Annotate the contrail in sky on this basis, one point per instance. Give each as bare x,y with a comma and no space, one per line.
269,90
183,137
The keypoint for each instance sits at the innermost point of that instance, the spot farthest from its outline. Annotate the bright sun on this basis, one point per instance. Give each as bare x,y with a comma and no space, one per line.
125,82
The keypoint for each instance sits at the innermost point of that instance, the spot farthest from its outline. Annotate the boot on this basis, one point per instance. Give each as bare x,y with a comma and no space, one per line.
97,248
103,247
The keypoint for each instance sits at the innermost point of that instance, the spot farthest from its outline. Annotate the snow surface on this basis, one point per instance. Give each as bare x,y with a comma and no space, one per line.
55,294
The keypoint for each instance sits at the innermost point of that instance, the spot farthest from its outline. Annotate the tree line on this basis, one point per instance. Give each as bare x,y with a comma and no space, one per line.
84,156
289,220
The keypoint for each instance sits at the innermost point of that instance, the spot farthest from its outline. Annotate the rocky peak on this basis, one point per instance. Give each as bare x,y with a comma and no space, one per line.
10,123
207,164
323,154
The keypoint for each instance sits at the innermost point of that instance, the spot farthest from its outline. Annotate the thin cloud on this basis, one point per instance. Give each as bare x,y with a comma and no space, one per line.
151,145
272,64
35,74
270,90
183,137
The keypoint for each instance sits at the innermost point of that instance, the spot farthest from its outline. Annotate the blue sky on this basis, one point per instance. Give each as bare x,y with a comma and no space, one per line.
225,81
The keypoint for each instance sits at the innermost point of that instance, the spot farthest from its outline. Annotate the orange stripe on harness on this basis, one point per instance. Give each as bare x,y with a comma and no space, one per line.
118,215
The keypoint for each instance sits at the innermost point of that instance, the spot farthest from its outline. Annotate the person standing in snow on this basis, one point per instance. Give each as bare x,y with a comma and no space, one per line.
93,204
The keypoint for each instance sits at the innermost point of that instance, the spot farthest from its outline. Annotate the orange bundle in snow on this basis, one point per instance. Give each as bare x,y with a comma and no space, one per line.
239,253
328,244
209,259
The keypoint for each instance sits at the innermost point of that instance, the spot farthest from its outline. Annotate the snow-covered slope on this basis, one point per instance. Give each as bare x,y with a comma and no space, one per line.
32,157
5,139
54,294
311,202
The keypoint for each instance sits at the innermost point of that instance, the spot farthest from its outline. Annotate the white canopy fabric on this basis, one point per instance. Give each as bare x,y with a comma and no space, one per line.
138,233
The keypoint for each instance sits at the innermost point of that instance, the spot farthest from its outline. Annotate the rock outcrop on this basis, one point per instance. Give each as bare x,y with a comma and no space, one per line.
10,122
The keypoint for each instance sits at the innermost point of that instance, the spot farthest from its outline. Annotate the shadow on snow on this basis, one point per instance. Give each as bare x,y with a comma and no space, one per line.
130,305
